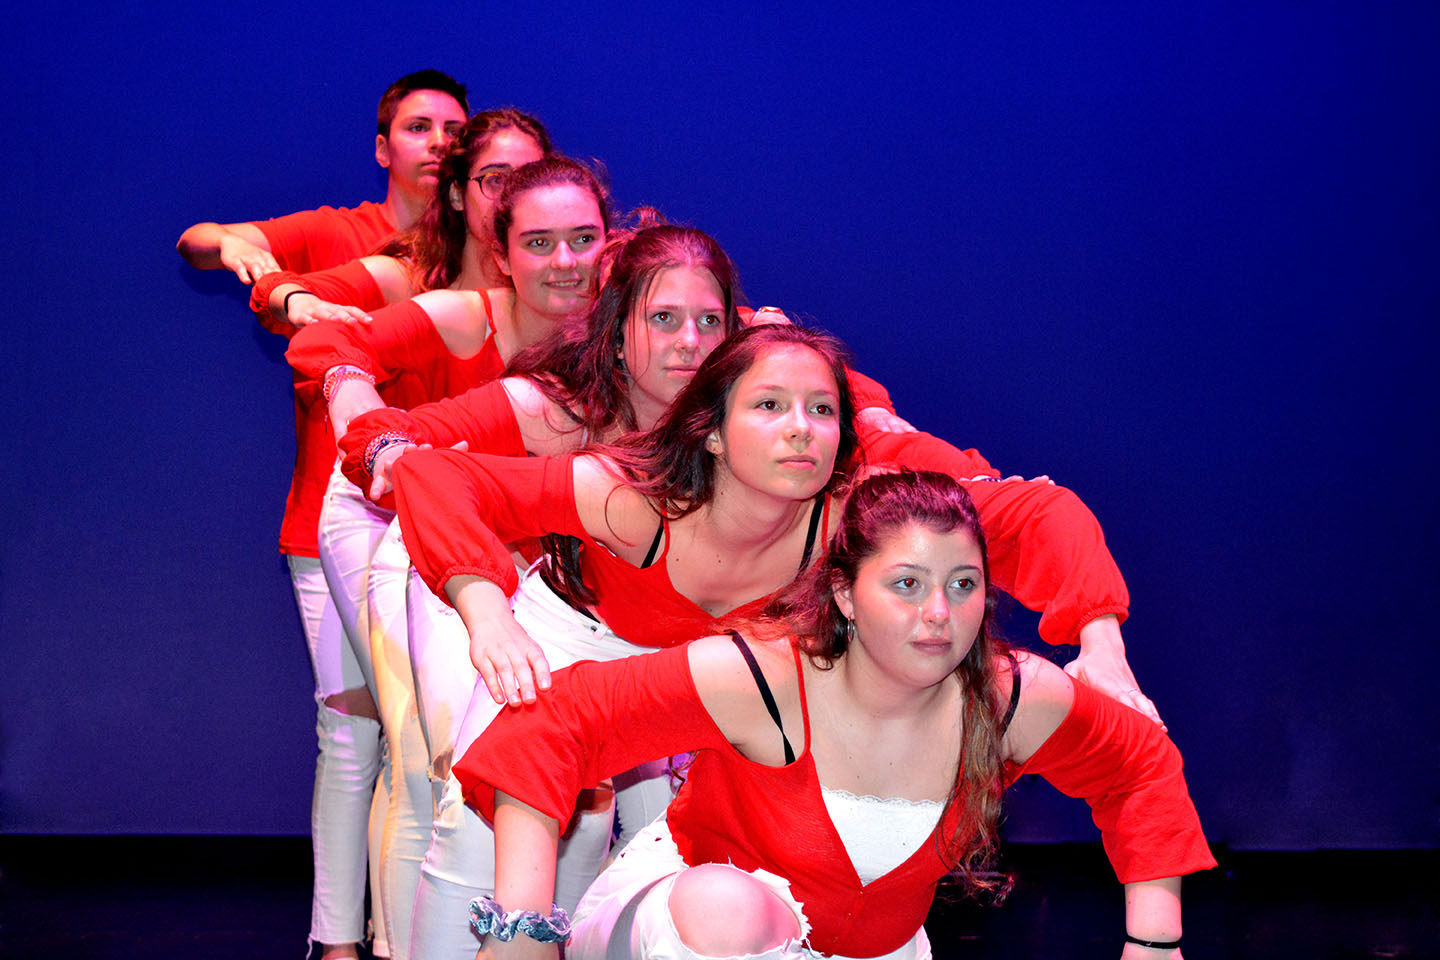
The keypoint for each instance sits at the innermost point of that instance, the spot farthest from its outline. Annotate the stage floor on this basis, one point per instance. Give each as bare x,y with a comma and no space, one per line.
240,898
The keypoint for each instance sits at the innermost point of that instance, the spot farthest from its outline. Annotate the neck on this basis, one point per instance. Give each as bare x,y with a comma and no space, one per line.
477,268
520,327
870,693
648,410
403,208
748,521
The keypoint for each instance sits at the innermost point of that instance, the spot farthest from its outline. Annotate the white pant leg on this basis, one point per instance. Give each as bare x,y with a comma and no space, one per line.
411,806
345,768
350,530
460,863
443,677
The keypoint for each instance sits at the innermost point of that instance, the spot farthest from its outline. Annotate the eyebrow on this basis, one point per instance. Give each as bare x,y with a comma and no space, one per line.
536,233
827,391
924,569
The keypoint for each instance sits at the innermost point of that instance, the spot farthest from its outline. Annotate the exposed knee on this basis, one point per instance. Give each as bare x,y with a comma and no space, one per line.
721,911
354,703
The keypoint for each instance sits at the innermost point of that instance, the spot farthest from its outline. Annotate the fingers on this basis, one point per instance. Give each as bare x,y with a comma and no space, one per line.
541,668
492,681
321,311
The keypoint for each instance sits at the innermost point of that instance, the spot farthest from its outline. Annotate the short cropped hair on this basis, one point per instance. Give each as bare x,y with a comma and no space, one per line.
408,84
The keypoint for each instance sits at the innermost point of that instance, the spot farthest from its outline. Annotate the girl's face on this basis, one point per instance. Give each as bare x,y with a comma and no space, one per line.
425,123
506,149
670,334
782,425
917,604
555,238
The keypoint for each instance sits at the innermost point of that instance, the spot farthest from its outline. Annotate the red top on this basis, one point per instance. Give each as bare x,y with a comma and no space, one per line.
411,366
1046,548
327,237
481,416
604,718
441,495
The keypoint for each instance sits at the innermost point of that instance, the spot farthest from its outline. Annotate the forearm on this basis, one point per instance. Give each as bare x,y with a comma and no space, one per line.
347,399
1152,912
525,846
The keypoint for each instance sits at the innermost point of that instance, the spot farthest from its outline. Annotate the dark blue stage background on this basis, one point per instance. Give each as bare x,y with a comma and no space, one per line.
1182,258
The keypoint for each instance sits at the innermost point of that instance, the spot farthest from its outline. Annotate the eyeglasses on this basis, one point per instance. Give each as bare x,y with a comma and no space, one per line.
492,184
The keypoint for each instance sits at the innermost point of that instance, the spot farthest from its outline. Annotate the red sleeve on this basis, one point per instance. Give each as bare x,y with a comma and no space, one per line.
481,416
458,510
297,239
260,292
1046,548
868,393
1131,775
400,337
350,284
598,720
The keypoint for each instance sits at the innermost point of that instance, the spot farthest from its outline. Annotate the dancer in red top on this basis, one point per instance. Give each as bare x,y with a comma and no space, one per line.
418,116
551,219
876,663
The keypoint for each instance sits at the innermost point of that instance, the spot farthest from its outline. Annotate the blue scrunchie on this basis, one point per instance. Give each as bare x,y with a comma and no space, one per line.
486,917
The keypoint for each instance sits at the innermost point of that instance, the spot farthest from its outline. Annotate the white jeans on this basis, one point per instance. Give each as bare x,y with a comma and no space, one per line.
350,530
411,806
460,864
345,768
626,912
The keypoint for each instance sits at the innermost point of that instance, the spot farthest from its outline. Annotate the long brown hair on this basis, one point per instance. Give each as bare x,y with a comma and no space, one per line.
875,509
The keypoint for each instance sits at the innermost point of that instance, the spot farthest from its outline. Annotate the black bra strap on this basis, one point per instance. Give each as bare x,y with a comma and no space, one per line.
816,513
765,693
654,546
1014,694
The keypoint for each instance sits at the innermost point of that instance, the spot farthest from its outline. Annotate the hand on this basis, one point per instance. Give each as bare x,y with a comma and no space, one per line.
883,421
1102,666
510,662
306,308
244,259
381,477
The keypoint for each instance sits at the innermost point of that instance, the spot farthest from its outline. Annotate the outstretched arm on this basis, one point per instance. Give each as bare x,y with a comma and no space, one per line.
241,248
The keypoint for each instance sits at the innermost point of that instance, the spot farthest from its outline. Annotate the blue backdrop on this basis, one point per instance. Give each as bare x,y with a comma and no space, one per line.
1182,260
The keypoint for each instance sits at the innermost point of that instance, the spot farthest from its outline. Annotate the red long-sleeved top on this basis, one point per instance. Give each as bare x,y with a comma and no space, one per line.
602,718
1046,548
411,365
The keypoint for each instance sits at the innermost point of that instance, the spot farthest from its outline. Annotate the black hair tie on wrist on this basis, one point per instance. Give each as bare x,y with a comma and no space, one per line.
1154,944
285,304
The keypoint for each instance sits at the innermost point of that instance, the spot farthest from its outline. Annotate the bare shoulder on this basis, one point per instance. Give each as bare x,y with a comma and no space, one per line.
391,276
459,318
1046,694
728,689
545,425
612,511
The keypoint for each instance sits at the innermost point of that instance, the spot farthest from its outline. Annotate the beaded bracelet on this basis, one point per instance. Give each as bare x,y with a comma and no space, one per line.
487,917
380,442
338,375
1154,944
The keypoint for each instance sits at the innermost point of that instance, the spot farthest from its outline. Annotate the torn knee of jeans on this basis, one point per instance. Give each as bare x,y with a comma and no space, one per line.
355,703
